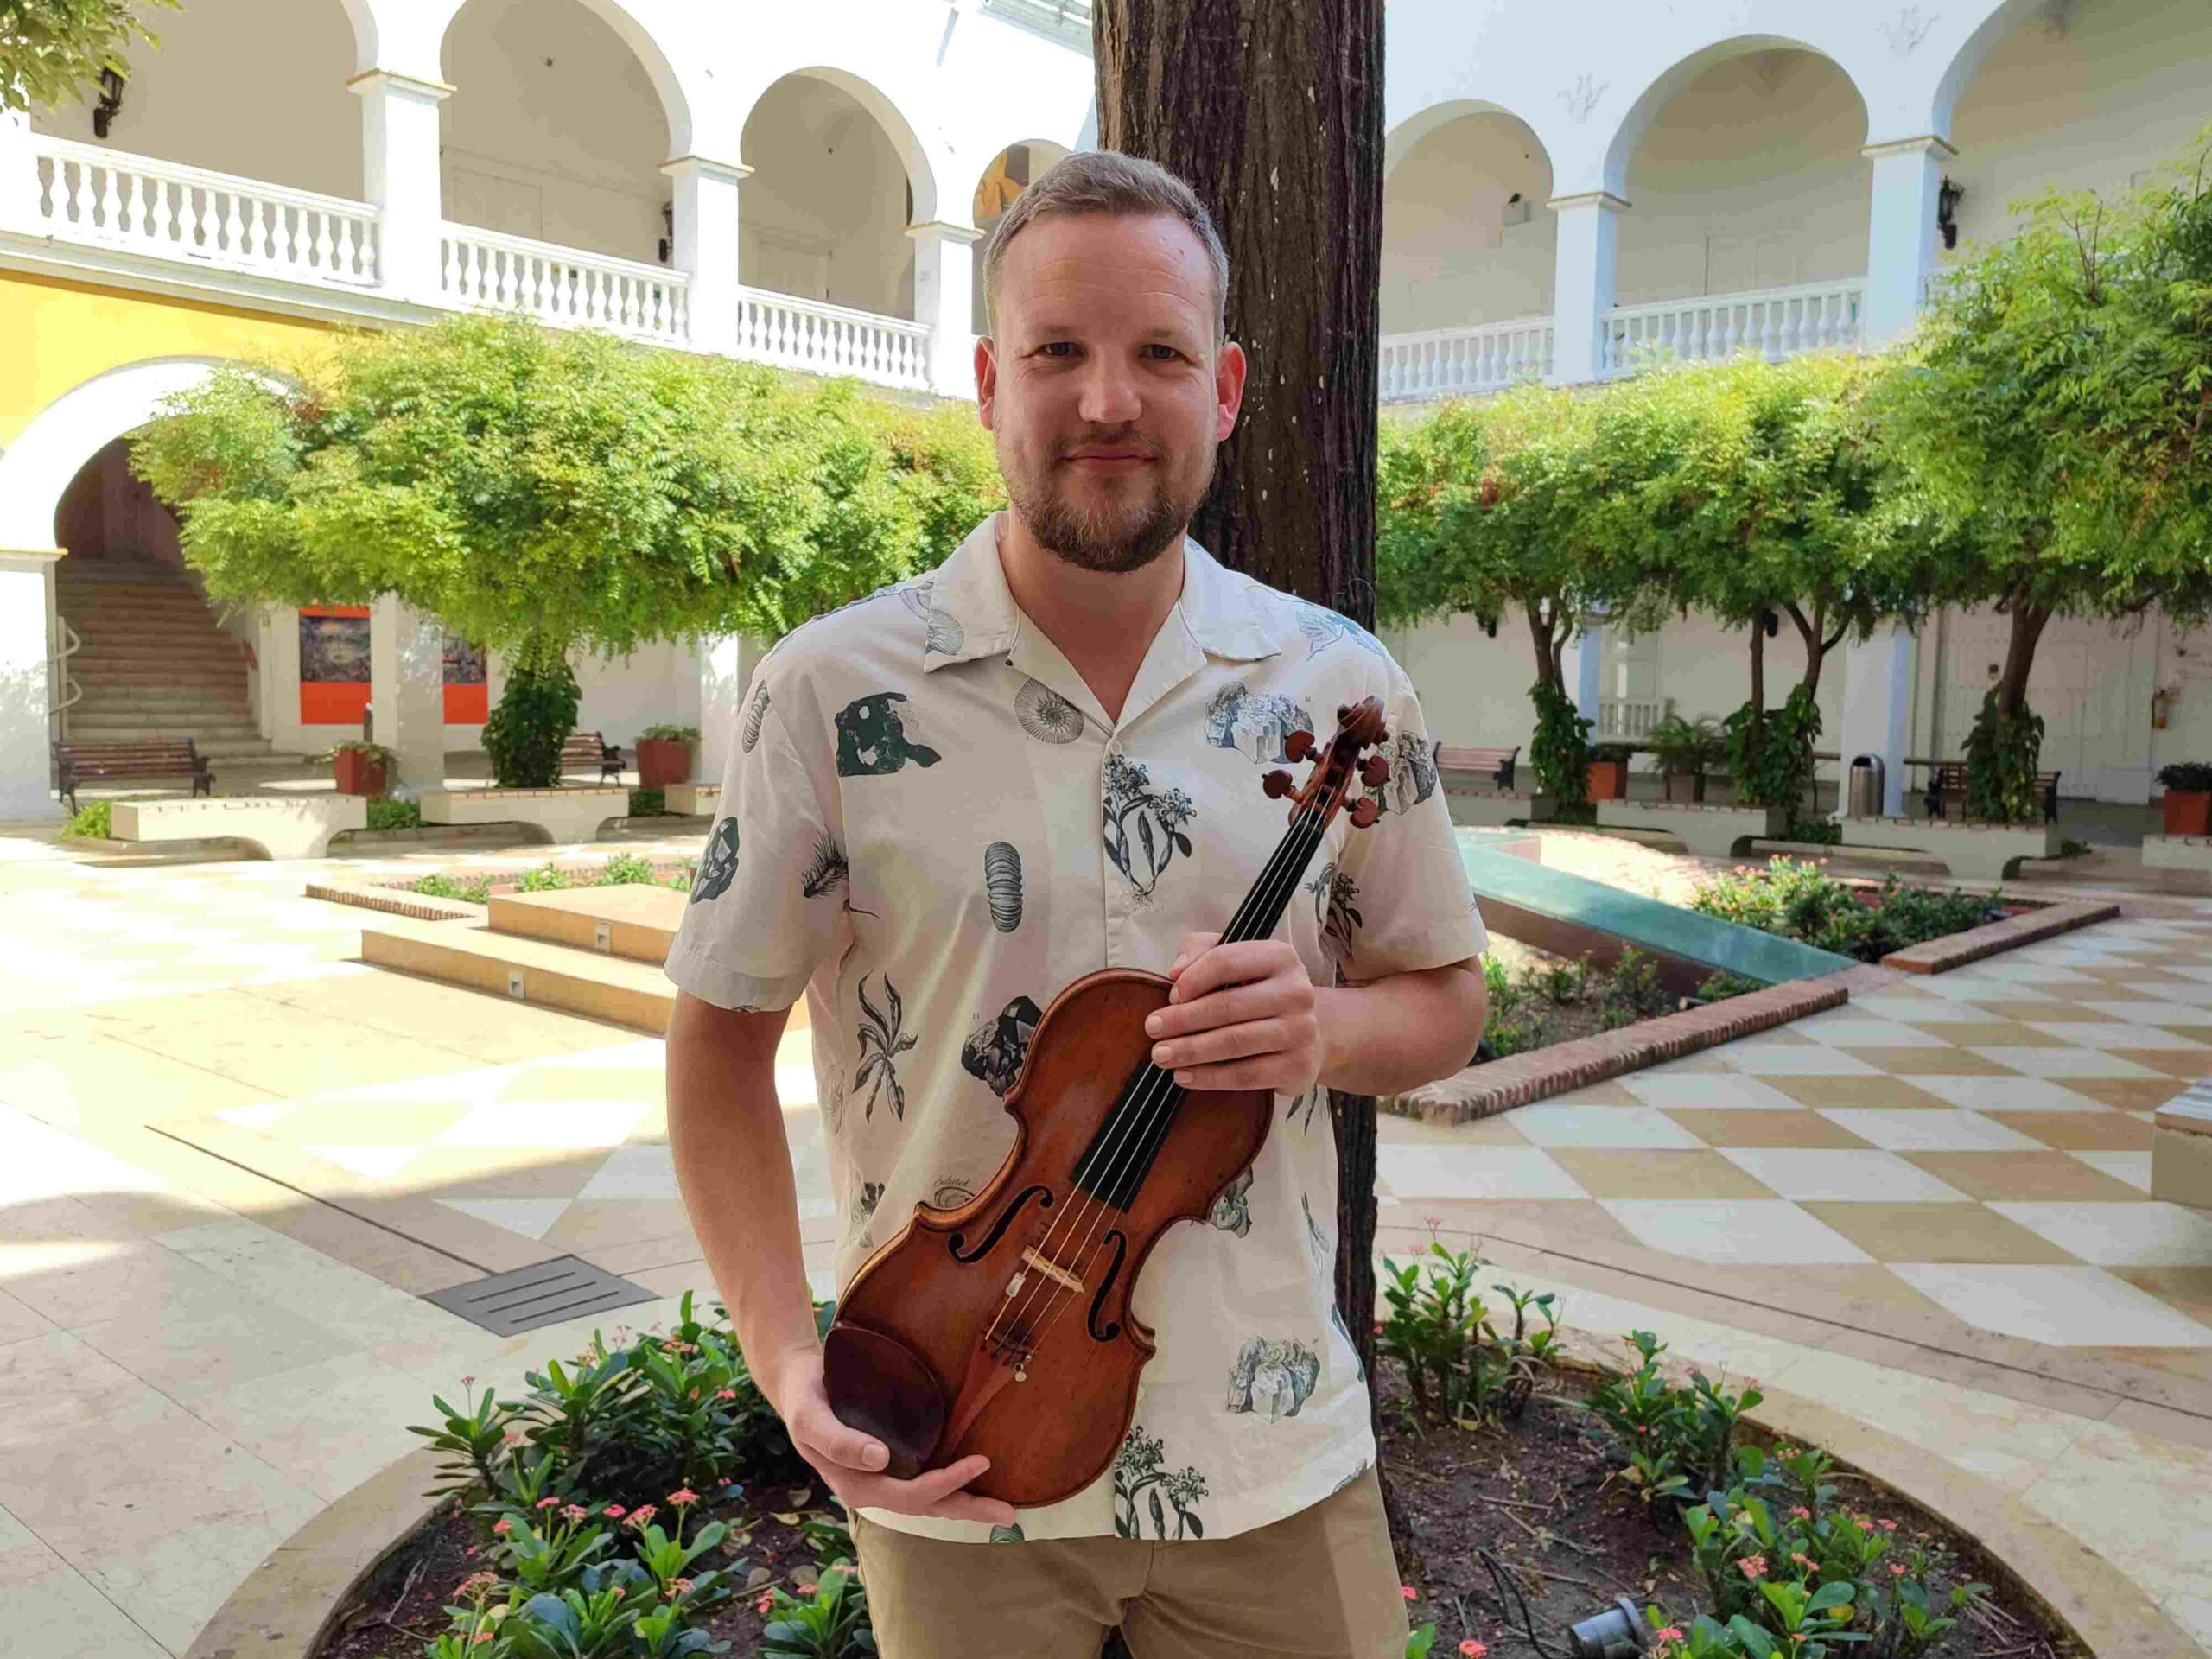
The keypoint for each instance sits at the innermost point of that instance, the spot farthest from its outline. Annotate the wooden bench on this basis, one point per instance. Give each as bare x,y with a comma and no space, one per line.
1498,763
151,757
1947,781
588,752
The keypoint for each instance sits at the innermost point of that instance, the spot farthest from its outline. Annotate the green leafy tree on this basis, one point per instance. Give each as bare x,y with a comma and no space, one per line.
51,49
544,492
2054,406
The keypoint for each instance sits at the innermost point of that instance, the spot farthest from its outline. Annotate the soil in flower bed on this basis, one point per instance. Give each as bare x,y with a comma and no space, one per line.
1542,1496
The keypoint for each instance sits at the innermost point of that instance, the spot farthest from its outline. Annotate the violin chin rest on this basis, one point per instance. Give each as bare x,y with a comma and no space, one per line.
878,1385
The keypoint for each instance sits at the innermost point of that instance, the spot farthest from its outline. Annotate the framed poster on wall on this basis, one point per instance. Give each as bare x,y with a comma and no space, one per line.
334,670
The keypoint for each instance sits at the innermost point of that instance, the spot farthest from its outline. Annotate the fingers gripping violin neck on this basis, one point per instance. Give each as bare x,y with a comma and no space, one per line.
1003,1327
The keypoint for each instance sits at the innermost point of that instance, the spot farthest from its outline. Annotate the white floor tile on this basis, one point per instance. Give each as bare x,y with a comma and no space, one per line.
2119,1235
1838,1032
532,1218
2106,1034
2133,1168
1748,1232
545,1123
1915,1129
1794,1060
2165,1012
641,1172
2065,1062
2009,1094
2065,1307
1707,1091
1414,1170
1924,1010
1547,1123
1805,1174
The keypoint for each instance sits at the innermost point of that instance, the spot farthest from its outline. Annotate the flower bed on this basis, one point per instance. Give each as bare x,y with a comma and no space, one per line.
1798,900
1537,999
624,869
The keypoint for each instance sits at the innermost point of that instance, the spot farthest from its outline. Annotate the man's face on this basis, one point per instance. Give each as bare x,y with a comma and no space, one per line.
1103,386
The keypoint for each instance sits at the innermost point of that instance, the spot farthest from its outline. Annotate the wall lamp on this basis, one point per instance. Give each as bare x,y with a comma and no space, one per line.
1947,206
104,112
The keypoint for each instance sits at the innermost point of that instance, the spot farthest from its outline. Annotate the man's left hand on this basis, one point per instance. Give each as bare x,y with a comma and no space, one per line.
1241,1016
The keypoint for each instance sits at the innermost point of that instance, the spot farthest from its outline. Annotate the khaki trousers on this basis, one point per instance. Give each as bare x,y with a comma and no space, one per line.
1321,1584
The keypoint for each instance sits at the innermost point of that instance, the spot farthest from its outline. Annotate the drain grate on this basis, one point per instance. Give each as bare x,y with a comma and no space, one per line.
544,1293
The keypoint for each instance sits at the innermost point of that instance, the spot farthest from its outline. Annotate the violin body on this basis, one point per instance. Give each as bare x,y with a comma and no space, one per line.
909,1357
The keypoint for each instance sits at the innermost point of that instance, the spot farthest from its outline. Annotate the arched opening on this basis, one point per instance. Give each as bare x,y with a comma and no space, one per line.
826,207
1009,174
1465,238
557,130
2089,96
255,91
1747,175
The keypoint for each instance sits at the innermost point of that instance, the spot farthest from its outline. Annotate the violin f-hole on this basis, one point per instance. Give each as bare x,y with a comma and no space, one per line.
998,1228
1120,1241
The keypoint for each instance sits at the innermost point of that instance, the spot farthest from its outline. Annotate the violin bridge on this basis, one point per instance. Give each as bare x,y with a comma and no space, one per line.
1051,1270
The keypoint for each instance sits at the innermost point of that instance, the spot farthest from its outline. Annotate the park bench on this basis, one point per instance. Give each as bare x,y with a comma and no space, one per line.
588,752
1947,781
1498,763
137,758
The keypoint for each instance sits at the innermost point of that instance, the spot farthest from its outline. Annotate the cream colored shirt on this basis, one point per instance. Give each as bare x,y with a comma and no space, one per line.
933,826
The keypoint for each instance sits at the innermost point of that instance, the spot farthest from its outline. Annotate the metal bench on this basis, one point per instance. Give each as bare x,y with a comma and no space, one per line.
588,752
1947,781
1498,763
137,758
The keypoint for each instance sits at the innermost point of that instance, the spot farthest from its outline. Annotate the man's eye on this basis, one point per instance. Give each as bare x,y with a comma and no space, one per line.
1162,353
1057,348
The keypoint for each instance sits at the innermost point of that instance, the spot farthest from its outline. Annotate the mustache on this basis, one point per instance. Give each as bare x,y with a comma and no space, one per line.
1109,438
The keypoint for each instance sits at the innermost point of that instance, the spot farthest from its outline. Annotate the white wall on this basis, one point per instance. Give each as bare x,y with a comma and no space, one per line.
659,685
823,215
1449,256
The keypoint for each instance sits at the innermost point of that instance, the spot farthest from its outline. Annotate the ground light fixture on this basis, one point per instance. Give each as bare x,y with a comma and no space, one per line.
1616,1633
1947,206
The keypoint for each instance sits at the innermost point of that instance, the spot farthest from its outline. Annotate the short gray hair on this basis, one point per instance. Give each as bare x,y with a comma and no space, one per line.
1107,181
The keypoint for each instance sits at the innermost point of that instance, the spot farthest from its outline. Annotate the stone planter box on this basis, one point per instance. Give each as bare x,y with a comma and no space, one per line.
1708,832
274,826
2181,1149
1972,852
554,815
2182,861
1481,808
693,800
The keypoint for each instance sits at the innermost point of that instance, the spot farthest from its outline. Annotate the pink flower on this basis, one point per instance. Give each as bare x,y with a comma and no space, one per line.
1473,1649
615,1511
1887,1526
549,1502
1897,1569
767,1599
1670,1634
480,1636
574,1514
1409,1592
503,1526
1801,1514
466,1380
1752,1567
641,1516
679,1587
681,1496
726,1393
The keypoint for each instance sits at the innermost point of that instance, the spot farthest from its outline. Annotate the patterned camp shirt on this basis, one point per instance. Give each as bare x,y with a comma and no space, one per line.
932,827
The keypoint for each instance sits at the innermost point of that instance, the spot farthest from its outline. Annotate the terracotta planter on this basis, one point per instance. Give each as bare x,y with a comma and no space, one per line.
663,762
2189,812
358,773
1685,788
1608,779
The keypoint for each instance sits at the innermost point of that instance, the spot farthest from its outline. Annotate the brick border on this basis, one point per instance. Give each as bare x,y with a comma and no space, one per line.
1499,1085
395,900
1940,956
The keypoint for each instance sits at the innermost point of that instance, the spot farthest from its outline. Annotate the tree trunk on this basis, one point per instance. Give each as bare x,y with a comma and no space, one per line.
1272,110
2028,622
1755,734
1541,632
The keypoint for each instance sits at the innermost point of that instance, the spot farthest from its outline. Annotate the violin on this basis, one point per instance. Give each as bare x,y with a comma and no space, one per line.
1003,1327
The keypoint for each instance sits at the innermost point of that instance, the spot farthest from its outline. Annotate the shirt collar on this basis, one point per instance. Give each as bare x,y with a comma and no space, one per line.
1223,612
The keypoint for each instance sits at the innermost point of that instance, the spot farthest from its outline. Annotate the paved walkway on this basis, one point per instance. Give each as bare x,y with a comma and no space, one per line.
231,1160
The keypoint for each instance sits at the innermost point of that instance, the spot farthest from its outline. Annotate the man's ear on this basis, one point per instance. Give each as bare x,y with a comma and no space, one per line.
986,379
1228,370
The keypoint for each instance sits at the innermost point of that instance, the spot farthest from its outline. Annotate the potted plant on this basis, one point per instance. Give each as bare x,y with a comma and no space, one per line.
664,755
362,768
2188,797
1685,749
1609,772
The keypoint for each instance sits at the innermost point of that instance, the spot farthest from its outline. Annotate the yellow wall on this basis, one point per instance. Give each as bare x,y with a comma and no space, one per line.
56,335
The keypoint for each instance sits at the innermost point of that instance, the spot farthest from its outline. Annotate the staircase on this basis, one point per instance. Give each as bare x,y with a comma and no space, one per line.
153,662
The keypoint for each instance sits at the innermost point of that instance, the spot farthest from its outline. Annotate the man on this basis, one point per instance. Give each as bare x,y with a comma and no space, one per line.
951,799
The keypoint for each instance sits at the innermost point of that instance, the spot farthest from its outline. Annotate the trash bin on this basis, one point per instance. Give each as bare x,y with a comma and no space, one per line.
1863,799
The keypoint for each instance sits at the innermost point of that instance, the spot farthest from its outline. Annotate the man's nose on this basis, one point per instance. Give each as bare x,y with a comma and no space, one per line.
1109,394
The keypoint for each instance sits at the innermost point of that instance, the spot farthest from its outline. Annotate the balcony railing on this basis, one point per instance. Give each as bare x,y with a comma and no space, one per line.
1065,20
109,199
563,286
1460,362
796,334
1775,322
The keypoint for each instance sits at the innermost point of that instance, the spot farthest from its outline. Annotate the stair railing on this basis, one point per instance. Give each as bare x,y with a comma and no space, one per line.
64,693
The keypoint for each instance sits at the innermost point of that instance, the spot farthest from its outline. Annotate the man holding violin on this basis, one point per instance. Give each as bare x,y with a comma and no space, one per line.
953,799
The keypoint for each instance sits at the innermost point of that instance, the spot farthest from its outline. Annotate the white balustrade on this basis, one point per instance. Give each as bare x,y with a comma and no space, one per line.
796,334
1454,362
564,286
114,199
1775,322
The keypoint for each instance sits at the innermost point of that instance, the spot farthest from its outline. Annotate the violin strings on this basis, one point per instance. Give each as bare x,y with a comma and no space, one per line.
1284,861
1156,1097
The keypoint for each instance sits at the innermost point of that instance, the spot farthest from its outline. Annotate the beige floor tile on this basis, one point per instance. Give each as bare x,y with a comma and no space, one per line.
88,1280
1996,1033
1495,1131
1885,1093
2151,1499
2187,1290
2022,1175
328,1426
588,1224
1935,1232
1608,1093
50,1609
56,1385
1758,1127
2023,1010
2187,1064
1932,1062
2129,1094
60,1080
19,1321
2114,1131
1608,1174
1550,1224
491,1029
196,1343
587,1082
502,1171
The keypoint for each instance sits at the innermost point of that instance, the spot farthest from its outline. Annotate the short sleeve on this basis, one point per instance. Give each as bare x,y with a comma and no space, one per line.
1407,887
768,904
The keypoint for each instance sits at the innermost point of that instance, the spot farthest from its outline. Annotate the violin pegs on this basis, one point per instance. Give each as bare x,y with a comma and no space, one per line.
1276,784
1298,745
1344,713
1364,811
1376,772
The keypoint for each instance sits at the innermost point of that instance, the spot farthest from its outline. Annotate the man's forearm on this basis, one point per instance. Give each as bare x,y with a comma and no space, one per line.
1401,1032
733,1164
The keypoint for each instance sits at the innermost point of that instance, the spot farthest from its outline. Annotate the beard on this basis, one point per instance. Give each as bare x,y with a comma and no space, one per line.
1122,536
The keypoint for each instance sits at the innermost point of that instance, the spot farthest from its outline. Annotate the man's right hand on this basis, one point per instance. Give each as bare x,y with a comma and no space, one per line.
850,1460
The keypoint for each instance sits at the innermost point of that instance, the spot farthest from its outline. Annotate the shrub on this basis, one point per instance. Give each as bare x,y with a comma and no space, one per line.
387,813
648,803
624,870
96,820
1458,1364
1679,1440
1687,749
1558,753
1794,898
672,733
2195,776
547,878
830,1623
1719,987
2002,752
477,890
525,733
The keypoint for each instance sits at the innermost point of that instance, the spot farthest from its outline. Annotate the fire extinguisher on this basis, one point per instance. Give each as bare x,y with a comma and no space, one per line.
2161,700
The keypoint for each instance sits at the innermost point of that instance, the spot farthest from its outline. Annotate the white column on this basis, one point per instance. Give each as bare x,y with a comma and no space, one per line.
726,663
399,173
944,298
18,174
1583,288
706,245
407,688
26,682
1578,668
1901,233
1876,711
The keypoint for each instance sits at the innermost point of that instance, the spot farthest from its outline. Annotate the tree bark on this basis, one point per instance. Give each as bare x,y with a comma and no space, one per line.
2028,622
1541,632
1271,110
